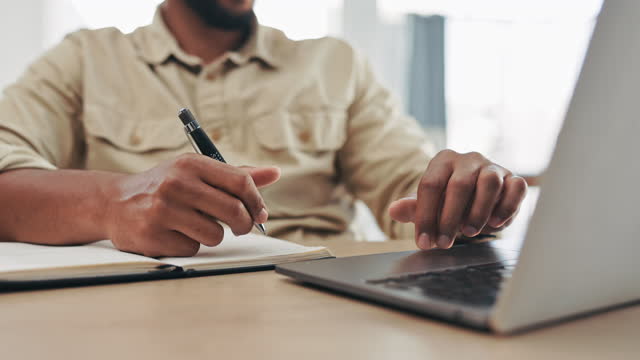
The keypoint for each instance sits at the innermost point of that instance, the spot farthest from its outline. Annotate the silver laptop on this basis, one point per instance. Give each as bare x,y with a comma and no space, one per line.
581,252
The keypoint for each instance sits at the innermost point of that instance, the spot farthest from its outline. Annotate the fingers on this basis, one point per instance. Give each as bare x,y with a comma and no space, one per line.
460,192
219,205
169,243
403,210
488,188
176,244
515,190
263,176
220,191
458,196
491,230
197,226
172,208
430,196
235,182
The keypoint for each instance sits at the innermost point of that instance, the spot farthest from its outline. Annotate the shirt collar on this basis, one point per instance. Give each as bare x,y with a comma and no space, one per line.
156,44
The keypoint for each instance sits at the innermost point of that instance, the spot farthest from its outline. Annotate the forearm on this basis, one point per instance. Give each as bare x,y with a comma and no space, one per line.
57,207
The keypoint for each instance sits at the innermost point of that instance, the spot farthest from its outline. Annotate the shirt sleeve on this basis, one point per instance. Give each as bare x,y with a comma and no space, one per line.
386,151
39,114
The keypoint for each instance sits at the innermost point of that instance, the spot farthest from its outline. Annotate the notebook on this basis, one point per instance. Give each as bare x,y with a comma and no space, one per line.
27,265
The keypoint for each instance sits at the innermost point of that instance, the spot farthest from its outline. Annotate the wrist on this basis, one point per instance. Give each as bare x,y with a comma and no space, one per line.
105,203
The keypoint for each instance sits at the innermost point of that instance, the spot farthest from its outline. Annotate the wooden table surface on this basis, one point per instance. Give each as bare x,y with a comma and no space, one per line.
264,315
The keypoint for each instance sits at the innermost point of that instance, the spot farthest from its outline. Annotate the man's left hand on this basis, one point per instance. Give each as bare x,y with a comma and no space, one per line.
460,193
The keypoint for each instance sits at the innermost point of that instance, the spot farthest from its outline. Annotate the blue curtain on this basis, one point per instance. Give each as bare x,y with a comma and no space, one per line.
426,75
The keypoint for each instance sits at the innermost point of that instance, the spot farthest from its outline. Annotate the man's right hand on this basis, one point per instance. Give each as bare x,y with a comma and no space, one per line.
172,208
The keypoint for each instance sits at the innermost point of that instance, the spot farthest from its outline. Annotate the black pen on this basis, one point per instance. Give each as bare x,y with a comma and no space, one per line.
202,144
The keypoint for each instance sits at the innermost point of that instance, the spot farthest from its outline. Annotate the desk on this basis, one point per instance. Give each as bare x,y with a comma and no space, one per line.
264,315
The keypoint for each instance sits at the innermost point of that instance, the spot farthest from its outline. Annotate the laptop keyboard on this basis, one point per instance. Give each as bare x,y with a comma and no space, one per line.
476,285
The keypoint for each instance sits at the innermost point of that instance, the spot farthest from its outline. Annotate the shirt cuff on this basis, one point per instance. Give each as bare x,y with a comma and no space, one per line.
13,157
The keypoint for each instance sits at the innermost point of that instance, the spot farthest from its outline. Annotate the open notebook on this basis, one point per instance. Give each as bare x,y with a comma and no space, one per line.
26,265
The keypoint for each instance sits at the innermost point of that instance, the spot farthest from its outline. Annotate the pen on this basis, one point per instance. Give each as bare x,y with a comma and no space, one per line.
202,144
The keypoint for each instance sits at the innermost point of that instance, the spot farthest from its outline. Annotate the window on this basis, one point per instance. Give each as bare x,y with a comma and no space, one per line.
510,71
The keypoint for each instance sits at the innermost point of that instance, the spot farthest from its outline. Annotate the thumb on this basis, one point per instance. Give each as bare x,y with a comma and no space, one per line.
263,176
403,210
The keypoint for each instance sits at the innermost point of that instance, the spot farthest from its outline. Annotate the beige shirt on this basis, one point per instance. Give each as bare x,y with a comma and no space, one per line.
103,100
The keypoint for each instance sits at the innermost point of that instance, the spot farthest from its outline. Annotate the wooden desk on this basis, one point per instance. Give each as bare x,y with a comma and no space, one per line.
266,316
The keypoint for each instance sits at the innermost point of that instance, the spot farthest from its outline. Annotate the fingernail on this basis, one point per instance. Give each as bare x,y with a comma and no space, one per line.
469,231
444,242
423,242
262,216
495,221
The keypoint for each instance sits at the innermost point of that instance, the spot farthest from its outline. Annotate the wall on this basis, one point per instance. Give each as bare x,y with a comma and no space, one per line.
27,28
21,36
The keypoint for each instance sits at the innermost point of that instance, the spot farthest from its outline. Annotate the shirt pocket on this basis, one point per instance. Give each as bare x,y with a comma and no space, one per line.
305,131
112,128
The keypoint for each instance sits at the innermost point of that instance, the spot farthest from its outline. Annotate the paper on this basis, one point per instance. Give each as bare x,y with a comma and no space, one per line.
239,249
27,257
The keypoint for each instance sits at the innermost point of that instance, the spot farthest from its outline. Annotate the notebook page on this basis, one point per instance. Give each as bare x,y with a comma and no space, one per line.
242,249
16,257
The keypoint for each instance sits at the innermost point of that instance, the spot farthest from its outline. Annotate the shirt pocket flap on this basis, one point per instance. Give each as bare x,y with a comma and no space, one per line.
133,134
305,131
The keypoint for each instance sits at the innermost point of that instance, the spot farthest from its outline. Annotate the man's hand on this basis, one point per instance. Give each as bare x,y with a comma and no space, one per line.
171,209
460,193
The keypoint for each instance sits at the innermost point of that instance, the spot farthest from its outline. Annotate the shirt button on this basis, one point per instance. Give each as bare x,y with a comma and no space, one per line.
216,134
211,76
135,140
304,136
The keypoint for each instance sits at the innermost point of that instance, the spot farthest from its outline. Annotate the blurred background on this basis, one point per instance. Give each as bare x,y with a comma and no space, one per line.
493,76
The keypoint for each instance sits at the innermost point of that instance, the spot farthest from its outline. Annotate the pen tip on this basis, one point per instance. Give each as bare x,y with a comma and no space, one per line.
262,229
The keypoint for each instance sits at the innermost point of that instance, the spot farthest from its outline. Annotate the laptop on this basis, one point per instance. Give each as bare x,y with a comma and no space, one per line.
581,251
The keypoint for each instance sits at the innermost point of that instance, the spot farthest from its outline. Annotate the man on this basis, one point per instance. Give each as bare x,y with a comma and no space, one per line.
91,148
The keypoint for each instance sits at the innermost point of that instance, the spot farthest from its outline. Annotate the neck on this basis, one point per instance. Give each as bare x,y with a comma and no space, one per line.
194,36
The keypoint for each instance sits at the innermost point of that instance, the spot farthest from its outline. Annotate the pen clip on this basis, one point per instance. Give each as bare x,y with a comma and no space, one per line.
196,148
